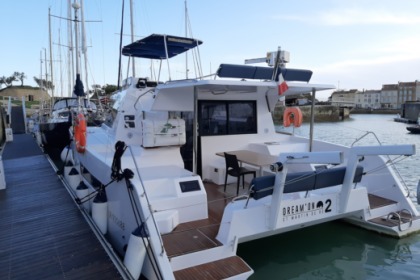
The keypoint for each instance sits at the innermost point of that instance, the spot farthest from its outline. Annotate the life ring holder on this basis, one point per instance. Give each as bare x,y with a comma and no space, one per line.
80,132
292,115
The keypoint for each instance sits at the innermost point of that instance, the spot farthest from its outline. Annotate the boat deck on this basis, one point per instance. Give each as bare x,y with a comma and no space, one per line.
201,235
42,233
198,235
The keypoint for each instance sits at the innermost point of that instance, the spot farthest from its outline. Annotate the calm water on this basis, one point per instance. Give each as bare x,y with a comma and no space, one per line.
337,250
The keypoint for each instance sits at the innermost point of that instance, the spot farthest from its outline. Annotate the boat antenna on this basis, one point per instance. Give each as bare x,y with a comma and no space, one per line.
277,64
120,50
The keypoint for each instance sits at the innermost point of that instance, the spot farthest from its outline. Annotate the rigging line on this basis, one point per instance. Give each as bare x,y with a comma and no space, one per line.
89,196
389,158
69,19
137,214
144,191
133,203
389,162
120,49
94,83
158,272
127,174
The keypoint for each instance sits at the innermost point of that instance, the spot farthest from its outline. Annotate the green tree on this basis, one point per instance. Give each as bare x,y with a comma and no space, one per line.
20,76
2,81
97,90
9,80
42,83
109,89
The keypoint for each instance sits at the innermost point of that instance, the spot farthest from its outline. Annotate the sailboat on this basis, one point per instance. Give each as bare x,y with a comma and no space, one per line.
54,126
157,173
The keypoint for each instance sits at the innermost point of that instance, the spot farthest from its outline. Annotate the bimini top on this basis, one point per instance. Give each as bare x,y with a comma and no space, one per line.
153,46
262,73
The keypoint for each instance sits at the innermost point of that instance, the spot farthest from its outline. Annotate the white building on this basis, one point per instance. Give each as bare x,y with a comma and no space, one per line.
344,98
369,99
391,96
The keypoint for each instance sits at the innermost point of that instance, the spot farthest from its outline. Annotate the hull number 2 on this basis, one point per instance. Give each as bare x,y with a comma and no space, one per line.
308,209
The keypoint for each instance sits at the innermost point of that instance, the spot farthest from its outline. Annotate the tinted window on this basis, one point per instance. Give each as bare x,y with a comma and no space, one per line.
227,117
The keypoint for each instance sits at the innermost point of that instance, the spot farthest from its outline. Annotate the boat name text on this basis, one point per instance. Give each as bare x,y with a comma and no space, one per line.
307,209
116,220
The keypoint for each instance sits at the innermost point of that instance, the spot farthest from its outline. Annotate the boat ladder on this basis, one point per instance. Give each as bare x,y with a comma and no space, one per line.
401,217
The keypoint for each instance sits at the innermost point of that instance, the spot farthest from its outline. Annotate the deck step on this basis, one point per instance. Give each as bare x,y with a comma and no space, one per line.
380,207
405,218
220,269
378,201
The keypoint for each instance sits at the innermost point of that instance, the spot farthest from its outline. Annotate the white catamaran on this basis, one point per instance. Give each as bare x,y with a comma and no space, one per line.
156,170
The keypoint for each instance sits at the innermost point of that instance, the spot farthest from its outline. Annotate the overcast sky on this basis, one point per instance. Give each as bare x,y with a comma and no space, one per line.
354,44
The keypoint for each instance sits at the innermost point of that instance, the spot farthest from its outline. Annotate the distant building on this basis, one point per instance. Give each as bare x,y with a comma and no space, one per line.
29,93
389,96
344,98
408,91
369,99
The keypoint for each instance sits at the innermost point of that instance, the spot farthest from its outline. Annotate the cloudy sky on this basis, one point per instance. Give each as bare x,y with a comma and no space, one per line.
352,44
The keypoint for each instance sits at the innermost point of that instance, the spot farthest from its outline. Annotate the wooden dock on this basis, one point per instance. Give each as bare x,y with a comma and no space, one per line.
43,235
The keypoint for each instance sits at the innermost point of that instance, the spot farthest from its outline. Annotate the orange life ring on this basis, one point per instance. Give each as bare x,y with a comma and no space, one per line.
80,133
292,115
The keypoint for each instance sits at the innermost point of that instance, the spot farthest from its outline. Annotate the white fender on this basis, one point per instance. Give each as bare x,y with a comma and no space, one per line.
100,211
67,168
136,252
81,192
73,178
66,155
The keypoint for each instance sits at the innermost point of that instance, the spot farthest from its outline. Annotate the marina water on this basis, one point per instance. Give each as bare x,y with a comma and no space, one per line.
337,250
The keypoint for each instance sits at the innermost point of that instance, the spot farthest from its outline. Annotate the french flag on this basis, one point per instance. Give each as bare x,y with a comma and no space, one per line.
282,85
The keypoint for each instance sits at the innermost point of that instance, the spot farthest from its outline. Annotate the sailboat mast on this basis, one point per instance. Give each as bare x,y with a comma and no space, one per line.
76,6
132,34
84,47
70,57
186,35
51,61
61,70
40,74
46,69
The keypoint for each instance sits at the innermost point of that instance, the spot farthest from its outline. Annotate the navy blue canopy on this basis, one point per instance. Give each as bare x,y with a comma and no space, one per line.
153,46
262,73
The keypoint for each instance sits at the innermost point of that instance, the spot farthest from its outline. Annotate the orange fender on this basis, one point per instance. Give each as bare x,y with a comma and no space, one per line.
292,115
80,133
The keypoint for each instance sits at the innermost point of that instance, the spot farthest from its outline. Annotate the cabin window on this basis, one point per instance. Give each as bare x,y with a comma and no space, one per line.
227,117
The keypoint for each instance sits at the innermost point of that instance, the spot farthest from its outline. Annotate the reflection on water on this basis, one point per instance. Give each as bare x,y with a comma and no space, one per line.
332,251
337,250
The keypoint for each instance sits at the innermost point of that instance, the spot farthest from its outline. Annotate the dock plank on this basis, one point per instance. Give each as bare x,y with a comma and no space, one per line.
42,233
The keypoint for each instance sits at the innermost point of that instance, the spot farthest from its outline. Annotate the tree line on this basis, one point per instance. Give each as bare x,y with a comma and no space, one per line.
42,83
16,76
